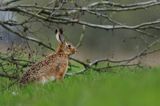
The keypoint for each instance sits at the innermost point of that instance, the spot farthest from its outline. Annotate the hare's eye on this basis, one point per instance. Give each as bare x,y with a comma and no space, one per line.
69,46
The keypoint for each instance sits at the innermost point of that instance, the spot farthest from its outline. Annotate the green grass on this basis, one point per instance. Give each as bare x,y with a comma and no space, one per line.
122,87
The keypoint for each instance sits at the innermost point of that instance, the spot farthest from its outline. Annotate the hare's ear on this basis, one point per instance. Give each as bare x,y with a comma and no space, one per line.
59,35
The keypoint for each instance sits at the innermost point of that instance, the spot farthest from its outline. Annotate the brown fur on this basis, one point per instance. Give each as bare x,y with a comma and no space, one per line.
53,66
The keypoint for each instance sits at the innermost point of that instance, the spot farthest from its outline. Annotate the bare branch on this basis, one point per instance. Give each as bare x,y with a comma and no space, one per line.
10,2
8,76
27,38
81,37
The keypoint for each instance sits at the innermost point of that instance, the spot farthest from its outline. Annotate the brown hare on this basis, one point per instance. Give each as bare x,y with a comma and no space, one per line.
54,67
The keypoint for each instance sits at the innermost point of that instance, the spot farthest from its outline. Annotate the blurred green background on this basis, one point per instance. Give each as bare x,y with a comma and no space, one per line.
98,43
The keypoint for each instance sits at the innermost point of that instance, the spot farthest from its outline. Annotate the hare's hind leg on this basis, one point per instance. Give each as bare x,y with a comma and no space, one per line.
59,75
44,80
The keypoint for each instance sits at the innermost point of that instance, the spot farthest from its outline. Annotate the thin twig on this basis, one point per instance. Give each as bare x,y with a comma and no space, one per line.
8,76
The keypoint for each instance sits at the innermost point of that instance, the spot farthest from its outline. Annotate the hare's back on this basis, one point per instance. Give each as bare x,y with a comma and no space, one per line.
36,71
49,69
